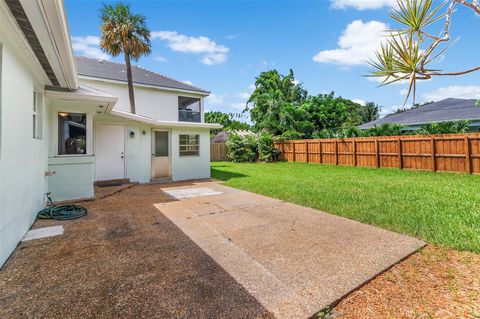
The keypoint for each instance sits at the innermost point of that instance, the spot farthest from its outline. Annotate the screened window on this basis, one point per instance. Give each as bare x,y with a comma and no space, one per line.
161,143
189,109
72,133
189,145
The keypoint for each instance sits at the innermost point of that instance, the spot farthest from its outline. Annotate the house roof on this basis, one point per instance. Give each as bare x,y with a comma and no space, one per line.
445,110
116,71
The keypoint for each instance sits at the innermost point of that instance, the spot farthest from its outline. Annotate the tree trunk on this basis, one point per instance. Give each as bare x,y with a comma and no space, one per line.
130,83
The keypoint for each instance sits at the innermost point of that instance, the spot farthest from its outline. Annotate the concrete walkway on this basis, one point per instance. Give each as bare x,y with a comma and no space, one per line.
293,260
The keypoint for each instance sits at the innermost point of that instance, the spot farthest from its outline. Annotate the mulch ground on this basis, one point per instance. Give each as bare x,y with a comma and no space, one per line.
434,283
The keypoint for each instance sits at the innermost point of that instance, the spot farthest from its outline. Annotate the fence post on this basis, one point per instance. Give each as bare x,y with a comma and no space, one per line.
336,152
432,142
400,160
320,151
354,153
283,150
377,154
306,150
293,148
468,164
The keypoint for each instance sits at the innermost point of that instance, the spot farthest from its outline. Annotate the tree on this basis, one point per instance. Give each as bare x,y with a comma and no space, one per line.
229,121
370,112
127,33
272,92
408,51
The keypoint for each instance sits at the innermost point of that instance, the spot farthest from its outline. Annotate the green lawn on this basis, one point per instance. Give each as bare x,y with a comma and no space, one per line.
440,208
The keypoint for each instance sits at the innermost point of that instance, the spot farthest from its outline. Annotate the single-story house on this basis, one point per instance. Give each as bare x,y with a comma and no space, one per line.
442,111
65,122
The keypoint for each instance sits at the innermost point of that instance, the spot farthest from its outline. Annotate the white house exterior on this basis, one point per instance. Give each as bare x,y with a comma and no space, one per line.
63,128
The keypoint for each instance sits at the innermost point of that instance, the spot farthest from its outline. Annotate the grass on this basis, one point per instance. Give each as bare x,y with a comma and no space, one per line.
440,208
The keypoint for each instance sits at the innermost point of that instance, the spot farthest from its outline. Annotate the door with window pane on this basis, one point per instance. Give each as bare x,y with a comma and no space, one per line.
160,154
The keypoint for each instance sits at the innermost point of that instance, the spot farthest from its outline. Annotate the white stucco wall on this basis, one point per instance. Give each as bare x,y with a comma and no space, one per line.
23,159
74,175
190,167
151,102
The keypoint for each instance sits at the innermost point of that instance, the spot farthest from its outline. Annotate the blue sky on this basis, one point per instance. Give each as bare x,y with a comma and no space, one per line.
222,46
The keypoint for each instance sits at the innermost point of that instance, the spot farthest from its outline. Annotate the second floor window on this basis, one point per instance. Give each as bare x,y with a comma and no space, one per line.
189,109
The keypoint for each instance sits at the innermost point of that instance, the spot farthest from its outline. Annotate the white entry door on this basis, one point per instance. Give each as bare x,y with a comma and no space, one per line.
160,154
110,152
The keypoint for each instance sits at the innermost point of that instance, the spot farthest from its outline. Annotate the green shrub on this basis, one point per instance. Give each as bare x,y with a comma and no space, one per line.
242,148
291,135
386,129
444,128
266,148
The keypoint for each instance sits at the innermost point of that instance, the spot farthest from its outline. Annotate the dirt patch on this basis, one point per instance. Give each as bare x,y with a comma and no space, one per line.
434,283
125,259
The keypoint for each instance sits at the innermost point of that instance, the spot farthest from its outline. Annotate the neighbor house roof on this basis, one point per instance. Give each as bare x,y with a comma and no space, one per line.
445,110
116,71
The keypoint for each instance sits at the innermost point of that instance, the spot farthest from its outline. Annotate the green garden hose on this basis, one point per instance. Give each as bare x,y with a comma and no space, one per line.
61,212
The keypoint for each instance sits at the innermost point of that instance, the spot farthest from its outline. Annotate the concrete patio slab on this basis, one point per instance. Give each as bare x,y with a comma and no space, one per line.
294,260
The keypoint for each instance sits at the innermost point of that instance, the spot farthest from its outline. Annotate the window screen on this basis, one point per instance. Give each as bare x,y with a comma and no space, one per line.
72,133
161,143
189,144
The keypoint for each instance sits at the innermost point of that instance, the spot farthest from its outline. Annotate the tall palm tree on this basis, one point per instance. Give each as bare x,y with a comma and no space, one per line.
123,31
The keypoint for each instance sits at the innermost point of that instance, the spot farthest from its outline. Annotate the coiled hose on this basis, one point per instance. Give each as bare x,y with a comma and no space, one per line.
61,212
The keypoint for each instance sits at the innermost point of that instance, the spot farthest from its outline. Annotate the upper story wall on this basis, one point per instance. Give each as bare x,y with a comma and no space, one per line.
155,103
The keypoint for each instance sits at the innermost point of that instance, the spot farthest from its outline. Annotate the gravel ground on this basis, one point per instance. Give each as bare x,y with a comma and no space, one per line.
434,283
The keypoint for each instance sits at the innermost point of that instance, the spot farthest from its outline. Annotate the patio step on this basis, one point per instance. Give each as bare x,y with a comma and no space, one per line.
112,182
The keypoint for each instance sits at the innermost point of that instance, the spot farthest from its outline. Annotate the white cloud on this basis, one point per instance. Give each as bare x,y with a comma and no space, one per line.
385,110
89,46
455,91
160,58
215,99
359,101
244,95
238,106
232,36
357,44
213,52
404,92
362,4
187,82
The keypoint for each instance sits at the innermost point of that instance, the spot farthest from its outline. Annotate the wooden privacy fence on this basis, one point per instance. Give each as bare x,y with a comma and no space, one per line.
218,151
448,153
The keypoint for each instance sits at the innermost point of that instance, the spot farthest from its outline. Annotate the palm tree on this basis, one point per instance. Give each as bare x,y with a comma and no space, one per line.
123,31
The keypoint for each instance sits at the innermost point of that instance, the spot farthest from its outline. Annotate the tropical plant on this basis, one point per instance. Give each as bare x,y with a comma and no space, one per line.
448,127
266,148
127,33
242,148
408,51
385,129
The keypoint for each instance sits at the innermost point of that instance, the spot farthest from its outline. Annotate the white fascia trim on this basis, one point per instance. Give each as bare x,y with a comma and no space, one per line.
56,20
151,121
162,88
10,29
106,99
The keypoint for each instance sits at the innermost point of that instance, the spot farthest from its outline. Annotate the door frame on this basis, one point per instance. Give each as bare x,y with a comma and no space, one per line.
124,146
152,153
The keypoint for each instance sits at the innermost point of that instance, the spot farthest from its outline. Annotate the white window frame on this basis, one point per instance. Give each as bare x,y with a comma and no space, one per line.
180,145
